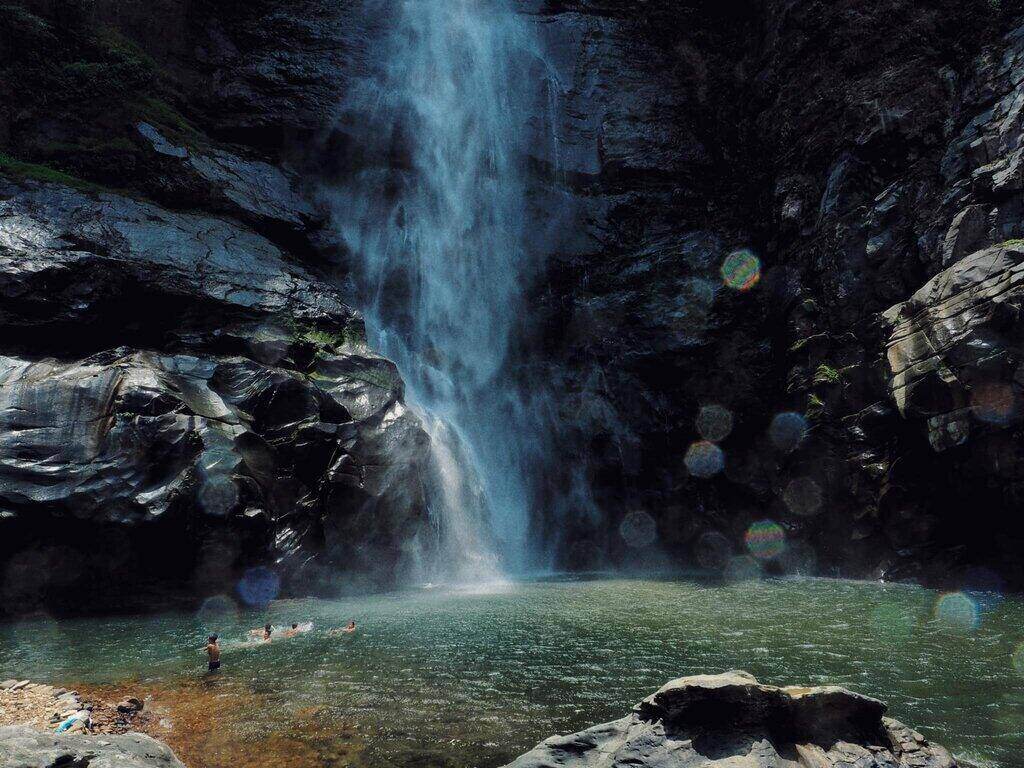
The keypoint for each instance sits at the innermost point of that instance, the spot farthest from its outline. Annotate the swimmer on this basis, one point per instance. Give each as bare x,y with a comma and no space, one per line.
264,633
293,631
348,630
213,653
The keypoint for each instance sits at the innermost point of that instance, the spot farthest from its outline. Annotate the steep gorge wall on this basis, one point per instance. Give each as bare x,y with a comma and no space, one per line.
857,151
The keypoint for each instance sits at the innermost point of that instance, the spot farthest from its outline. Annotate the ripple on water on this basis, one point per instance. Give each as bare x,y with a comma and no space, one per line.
494,673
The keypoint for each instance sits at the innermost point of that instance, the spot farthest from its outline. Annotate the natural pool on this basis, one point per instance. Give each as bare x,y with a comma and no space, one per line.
458,678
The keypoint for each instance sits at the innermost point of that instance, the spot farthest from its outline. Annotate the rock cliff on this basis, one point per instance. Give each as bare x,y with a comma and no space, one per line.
180,362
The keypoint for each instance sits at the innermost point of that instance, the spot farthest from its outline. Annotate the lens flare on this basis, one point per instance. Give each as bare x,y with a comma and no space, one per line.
893,621
787,431
984,586
743,568
993,403
741,270
765,539
803,497
799,559
1018,659
259,586
638,529
218,496
713,551
704,459
714,423
957,610
216,610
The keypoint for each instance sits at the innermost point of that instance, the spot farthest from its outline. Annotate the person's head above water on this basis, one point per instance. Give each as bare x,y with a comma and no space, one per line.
267,627
212,638
295,626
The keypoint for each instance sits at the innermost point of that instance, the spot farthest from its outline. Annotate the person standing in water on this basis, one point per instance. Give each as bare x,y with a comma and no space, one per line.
213,653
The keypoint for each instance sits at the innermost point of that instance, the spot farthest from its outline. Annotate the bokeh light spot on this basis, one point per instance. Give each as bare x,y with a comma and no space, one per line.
799,559
713,550
217,610
1018,659
742,568
259,586
218,495
787,431
893,621
714,423
993,403
765,539
957,610
803,497
741,270
704,459
638,529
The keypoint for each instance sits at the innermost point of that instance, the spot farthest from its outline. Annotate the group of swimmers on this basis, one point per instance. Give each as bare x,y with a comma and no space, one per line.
265,634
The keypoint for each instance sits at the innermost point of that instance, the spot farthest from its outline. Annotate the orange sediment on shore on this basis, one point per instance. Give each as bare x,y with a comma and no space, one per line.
208,724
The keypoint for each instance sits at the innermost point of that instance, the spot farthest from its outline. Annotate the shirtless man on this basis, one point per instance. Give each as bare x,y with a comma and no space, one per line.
213,653
293,631
264,633
348,630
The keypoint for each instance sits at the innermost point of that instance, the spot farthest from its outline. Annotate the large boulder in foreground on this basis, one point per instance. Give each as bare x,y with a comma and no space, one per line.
22,747
731,720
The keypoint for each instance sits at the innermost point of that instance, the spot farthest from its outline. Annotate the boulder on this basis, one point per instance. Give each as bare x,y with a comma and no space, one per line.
731,720
22,747
954,347
178,380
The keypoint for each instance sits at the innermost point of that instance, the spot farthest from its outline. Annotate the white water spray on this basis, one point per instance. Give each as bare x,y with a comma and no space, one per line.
432,213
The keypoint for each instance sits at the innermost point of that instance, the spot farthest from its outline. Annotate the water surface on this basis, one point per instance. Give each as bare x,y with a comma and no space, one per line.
457,678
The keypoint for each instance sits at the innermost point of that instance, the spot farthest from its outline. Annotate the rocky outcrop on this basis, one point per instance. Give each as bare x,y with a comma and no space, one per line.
176,378
24,748
731,720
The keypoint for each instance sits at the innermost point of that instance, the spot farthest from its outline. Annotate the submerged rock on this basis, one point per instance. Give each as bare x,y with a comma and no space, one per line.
22,747
731,720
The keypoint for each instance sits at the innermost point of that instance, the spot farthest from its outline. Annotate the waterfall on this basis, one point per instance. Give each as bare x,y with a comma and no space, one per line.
431,211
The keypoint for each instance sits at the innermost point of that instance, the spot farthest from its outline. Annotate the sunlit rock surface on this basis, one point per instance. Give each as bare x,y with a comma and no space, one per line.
26,748
732,720
181,400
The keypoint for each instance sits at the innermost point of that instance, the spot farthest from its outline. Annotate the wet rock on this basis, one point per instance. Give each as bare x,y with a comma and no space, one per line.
731,719
130,705
953,350
176,377
24,748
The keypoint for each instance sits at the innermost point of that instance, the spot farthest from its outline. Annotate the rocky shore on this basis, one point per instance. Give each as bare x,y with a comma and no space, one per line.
96,732
732,721
46,707
704,721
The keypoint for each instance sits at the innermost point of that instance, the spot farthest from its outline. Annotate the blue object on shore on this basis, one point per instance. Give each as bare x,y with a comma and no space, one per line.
69,722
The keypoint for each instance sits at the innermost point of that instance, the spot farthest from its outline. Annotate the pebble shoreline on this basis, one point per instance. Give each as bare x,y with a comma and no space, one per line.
44,707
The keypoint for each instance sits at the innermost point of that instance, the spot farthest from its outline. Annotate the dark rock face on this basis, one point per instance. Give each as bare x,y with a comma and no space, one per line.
856,168
731,720
869,157
25,748
195,387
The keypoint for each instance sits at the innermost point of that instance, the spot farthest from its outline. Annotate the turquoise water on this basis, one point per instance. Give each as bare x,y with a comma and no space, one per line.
454,678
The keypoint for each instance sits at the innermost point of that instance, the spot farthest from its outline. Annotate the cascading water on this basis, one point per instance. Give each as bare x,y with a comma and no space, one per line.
432,211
